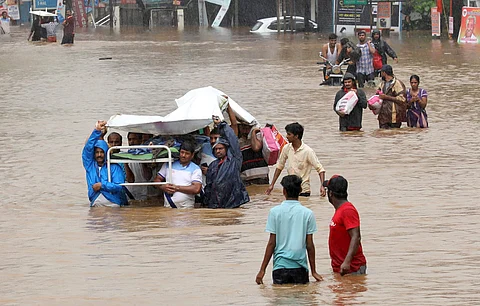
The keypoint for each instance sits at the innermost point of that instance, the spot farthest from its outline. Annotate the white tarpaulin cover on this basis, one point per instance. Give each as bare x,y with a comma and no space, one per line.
43,13
195,110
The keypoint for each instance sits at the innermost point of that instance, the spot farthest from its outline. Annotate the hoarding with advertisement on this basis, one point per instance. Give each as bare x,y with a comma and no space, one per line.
14,12
384,15
44,4
469,27
79,13
435,21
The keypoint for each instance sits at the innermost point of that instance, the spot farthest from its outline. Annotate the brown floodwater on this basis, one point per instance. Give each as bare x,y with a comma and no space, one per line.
415,189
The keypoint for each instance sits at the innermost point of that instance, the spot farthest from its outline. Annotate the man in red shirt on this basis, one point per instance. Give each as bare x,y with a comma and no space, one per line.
344,241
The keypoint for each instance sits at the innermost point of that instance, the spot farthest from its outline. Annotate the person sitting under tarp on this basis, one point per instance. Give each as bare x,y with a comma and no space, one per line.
224,188
101,192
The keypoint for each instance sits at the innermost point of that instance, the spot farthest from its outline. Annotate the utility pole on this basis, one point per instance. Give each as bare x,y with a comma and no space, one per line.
236,13
279,11
110,11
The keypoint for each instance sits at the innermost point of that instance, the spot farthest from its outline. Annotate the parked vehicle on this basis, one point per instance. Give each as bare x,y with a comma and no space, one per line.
271,25
333,73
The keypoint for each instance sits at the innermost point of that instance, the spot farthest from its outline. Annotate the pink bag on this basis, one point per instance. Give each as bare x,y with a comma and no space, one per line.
270,148
376,103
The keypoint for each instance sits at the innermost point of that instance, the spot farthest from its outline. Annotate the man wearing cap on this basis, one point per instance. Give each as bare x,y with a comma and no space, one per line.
394,106
352,121
291,227
224,187
301,160
365,63
344,241
101,192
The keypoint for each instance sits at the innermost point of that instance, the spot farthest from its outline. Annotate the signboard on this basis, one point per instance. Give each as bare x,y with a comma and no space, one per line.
352,15
355,2
435,21
14,12
384,15
79,13
469,27
450,25
44,4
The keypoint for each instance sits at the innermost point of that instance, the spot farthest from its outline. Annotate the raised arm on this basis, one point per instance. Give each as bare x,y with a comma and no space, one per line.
89,148
234,147
233,120
255,142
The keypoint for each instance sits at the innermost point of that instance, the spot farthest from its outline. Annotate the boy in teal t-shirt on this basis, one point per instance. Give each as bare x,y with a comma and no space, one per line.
291,227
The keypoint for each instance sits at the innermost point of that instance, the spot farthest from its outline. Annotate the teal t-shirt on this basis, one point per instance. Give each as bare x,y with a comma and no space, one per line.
291,223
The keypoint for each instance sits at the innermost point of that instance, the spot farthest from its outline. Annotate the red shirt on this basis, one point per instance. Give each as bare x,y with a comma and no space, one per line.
345,218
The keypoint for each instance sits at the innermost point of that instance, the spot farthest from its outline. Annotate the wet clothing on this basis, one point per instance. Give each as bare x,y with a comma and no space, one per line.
352,121
68,30
383,48
392,114
365,63
182,176
51,29
224,187
416,115
354,56
36,30
346,217
254,167
291,222
300,163
141,175
332,56
290,276
112,191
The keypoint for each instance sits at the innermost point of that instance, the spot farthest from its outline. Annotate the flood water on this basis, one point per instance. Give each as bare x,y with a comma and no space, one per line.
415,190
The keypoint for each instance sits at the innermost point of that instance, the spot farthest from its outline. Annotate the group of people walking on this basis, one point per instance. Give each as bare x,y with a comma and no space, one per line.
398,104
368,59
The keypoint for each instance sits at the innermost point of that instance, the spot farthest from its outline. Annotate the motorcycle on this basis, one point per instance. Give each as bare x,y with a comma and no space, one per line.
333,72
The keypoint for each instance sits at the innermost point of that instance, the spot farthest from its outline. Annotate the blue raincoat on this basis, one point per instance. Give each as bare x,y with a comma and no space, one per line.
112,191
224,187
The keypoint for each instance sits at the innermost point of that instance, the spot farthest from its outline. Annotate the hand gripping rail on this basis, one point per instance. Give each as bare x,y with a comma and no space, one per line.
132,161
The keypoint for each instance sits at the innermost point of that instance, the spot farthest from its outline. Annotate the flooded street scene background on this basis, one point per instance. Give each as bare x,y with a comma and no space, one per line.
415,189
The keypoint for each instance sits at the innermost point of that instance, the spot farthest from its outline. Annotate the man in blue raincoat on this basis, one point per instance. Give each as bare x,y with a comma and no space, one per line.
101,192
224,187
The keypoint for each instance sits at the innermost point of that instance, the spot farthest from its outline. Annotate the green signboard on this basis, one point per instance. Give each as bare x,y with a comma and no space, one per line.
355,2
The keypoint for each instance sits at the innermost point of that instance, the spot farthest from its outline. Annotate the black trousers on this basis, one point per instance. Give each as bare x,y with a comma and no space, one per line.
290,276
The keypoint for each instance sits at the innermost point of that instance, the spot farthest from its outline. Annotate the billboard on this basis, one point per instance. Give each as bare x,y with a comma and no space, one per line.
469,27
435,15
384,15
45,4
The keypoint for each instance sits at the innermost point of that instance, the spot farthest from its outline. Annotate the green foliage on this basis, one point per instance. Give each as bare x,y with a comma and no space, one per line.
423,6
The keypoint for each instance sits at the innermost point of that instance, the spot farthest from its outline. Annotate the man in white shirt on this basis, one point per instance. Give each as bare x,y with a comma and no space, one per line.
186,180
301,160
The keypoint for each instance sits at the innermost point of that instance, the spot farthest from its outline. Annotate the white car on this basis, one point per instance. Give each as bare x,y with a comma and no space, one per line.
269,25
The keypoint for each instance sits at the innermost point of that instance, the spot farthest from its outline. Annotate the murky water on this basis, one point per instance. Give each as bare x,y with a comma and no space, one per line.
415,189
